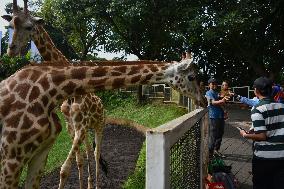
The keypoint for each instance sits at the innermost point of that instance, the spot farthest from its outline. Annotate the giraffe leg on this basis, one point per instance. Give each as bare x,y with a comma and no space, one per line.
89,154
65,168
98,140
79,161
10,173
39,158
36,168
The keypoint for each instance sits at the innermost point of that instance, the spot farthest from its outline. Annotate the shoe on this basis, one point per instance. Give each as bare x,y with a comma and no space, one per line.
217,153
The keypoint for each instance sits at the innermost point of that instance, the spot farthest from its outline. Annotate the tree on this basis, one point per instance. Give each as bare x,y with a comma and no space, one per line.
233,37
76,21
227,37
4,43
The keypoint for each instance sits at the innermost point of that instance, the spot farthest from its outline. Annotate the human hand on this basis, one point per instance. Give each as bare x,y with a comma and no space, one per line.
231,94
226,98
236,96
243,133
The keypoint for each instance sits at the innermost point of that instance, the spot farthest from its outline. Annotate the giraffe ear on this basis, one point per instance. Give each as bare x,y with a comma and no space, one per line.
7,17
38,20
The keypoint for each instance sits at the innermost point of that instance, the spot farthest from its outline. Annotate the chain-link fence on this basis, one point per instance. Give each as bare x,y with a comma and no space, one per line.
185,160
177,153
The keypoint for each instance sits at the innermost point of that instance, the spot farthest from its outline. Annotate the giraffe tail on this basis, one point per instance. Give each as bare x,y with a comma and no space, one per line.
104,165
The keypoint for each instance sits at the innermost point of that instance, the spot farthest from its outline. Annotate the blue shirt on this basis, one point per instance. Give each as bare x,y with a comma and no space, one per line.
251,102
215,111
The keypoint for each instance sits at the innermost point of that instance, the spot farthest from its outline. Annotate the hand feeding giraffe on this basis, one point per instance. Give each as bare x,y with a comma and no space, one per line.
82,113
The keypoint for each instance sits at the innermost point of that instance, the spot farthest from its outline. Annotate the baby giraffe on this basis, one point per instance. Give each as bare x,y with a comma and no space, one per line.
82,112
88,107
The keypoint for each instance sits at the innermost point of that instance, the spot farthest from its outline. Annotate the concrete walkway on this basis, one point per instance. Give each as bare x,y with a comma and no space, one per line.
238,151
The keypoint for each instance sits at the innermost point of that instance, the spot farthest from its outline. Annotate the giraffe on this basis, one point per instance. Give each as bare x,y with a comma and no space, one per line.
29,97
89,106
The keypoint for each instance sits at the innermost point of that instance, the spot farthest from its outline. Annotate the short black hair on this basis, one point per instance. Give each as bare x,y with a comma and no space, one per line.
264,86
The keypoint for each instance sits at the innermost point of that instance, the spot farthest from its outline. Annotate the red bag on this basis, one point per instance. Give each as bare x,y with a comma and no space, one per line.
216,185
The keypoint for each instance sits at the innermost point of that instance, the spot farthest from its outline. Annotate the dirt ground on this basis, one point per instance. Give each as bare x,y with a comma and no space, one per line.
120,149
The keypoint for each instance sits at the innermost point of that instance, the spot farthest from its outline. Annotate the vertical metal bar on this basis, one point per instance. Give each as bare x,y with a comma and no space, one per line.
248,92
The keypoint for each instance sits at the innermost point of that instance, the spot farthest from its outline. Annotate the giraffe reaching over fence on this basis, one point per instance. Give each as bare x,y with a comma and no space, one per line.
89,107
29,97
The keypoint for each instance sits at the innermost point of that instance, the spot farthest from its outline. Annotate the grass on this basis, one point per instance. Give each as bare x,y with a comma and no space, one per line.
149,115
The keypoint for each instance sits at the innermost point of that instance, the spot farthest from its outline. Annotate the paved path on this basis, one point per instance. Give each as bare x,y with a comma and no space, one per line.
237,149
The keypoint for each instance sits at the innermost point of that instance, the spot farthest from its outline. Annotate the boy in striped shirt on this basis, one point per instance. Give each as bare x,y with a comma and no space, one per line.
268,136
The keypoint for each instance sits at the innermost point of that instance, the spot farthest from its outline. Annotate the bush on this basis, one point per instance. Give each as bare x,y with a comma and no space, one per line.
9,66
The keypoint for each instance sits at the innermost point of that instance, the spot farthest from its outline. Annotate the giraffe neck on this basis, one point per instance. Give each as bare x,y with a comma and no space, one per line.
49,84
46,47
67,81
94,78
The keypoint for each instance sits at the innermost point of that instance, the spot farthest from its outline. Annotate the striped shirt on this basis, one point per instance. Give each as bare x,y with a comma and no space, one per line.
268,116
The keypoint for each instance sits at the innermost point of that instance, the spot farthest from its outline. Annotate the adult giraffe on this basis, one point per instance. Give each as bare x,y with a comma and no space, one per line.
29,97
81,112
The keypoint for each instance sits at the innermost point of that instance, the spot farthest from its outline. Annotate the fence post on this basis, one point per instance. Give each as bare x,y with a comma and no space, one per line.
157,164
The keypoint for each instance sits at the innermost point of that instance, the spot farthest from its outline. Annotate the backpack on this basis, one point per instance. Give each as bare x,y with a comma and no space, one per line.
222,177
228,180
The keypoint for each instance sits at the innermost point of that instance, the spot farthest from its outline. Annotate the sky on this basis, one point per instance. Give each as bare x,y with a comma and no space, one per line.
3,3
4,23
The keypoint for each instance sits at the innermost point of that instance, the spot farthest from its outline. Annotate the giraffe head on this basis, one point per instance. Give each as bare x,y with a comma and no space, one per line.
24,27
183,77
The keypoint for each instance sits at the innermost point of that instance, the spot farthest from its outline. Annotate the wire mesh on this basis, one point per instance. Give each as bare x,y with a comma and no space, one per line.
185,160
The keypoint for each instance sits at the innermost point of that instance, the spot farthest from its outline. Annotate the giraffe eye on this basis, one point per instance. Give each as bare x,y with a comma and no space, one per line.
191,78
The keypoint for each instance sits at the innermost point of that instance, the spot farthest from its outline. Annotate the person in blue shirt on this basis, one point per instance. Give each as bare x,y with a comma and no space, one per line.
216,115
249,101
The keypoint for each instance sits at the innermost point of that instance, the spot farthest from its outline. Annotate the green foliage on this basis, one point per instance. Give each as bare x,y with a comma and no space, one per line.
144,28
227,38
9,66
4,43
114,99
76,21
233,37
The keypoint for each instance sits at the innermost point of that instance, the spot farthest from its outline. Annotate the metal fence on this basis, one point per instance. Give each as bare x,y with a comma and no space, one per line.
163,92
177,153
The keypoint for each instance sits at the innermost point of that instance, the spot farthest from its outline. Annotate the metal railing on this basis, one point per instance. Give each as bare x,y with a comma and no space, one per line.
177,152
